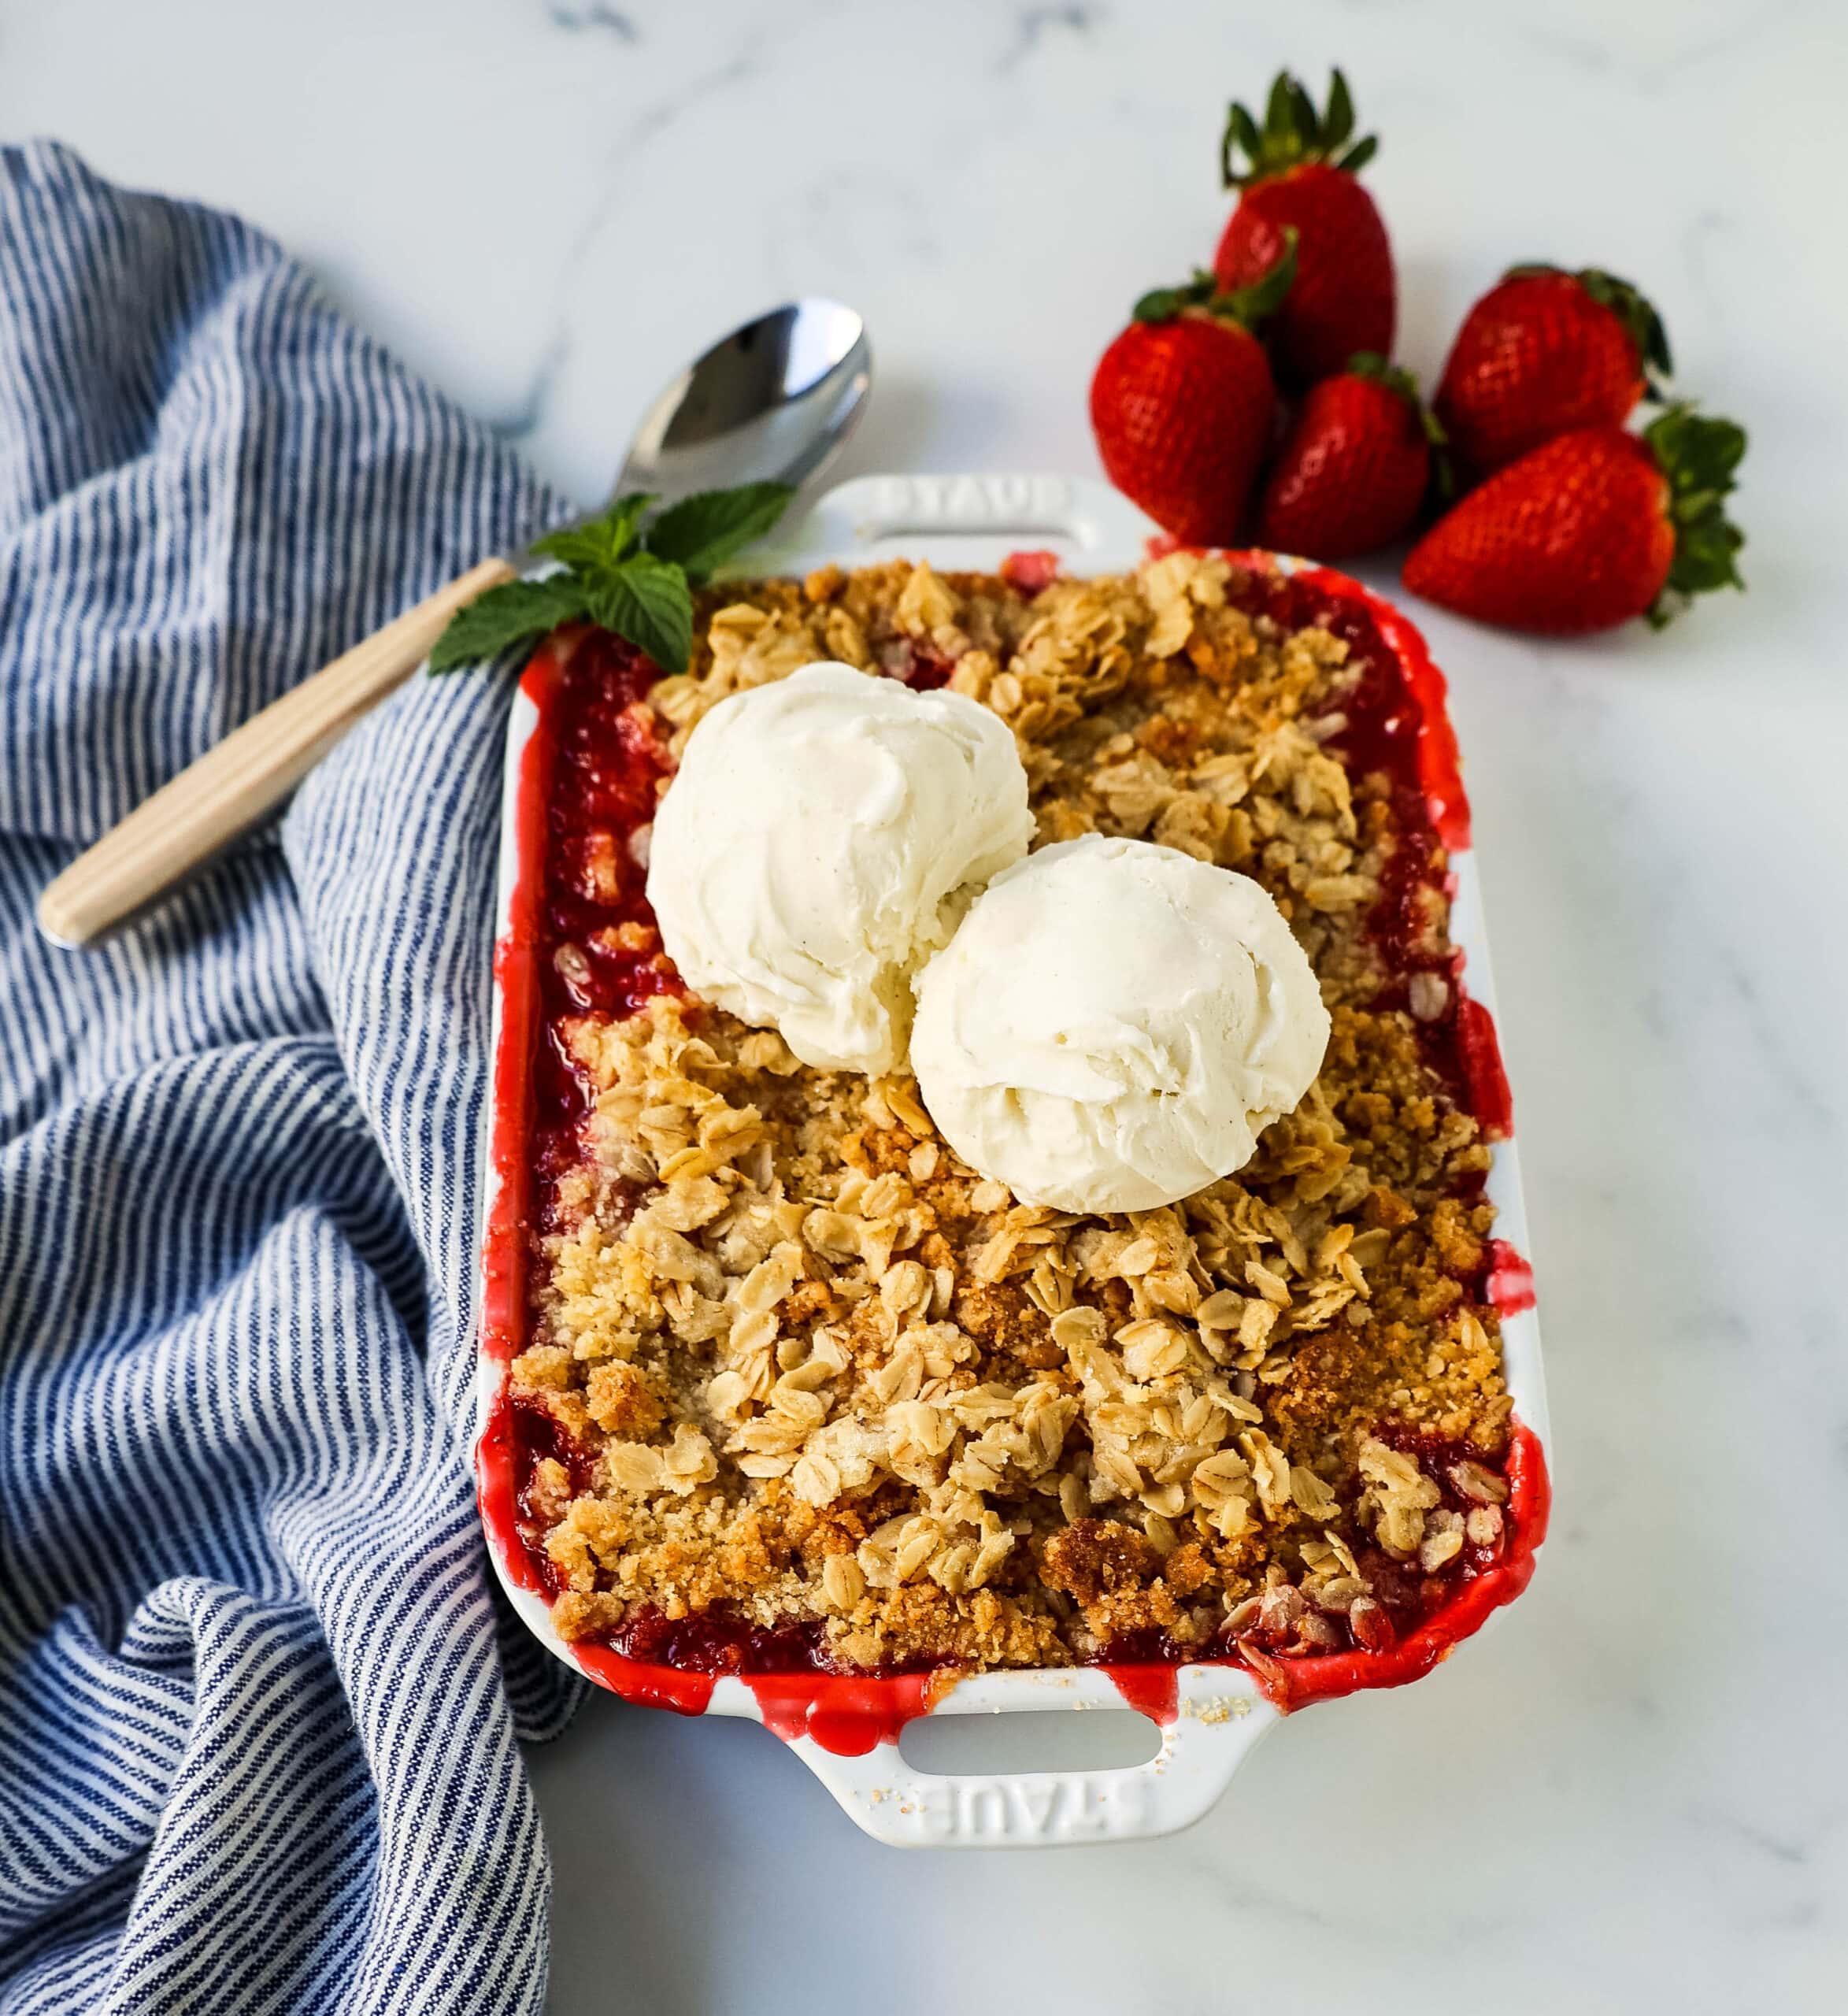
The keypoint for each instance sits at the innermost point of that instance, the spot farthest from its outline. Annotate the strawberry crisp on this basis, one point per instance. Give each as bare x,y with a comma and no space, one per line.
801,1390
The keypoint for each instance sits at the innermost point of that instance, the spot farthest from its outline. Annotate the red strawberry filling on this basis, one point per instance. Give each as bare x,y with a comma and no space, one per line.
587,943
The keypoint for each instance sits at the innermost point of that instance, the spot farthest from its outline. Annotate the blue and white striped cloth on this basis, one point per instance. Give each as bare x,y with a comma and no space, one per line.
258,1708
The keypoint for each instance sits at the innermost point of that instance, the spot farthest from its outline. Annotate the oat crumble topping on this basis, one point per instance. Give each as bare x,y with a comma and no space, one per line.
821,1380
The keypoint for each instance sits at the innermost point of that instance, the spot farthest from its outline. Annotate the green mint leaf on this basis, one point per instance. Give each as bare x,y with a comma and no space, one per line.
599,542
508,615
647,601
578,548
703,532
638,585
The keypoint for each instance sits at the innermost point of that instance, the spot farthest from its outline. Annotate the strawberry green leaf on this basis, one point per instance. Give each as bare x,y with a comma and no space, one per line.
1338,122
1397,379
647,600
1162,304
505,616
703,532
1279,112
1698,453
1245,305
1250,305
1241,136
1305,129
1358,155
1294,134
1699,456
1641,322
1394,377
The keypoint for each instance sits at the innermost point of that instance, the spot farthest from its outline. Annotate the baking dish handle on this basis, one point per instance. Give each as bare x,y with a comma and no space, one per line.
907,1808
1076,514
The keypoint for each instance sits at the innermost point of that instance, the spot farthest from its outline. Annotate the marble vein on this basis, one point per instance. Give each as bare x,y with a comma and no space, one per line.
1032,26
595,15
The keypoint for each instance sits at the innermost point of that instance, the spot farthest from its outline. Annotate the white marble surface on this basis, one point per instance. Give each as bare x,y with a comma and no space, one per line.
1636,1794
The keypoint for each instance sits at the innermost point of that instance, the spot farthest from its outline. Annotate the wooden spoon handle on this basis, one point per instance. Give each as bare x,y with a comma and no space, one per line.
246,775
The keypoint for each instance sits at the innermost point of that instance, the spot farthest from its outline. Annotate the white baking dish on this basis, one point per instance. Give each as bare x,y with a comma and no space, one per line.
1220,1711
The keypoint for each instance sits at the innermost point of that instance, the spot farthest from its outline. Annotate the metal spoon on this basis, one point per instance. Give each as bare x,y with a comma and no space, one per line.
775,401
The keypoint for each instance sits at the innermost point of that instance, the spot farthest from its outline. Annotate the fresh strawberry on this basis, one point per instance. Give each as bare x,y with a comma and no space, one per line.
1353,467
1590,529
1182,403
1544,352
1301,175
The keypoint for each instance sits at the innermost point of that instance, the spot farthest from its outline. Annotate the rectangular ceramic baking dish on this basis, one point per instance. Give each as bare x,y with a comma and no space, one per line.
1211,1714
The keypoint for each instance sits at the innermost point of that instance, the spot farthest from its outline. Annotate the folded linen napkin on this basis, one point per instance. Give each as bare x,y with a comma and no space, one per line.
257,1724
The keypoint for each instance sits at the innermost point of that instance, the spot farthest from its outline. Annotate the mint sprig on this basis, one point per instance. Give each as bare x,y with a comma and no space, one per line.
633,579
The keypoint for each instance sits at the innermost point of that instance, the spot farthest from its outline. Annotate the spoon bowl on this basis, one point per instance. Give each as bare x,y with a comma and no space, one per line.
774,401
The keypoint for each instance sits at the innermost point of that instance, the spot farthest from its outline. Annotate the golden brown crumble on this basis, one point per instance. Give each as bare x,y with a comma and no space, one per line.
830,1377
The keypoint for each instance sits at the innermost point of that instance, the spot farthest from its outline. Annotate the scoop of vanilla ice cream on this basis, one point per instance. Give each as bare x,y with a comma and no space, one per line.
1113,1025
821,839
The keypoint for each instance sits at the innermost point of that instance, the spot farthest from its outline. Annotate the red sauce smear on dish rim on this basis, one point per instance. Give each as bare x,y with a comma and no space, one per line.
849,1714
